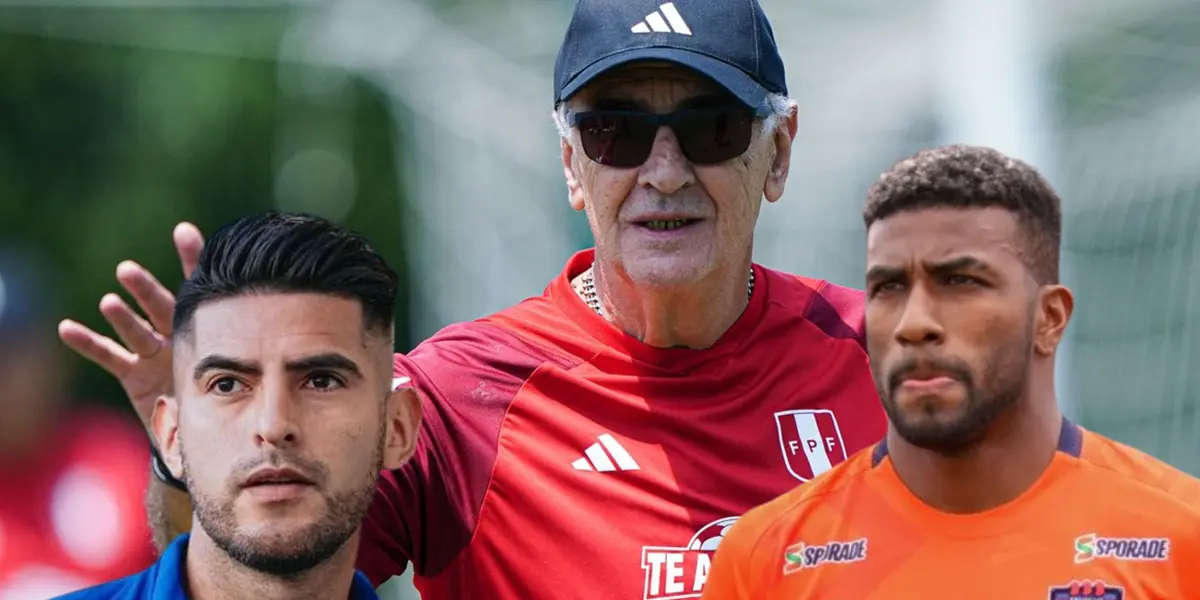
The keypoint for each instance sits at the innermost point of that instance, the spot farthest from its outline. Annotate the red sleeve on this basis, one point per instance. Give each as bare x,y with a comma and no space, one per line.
840,312
426,511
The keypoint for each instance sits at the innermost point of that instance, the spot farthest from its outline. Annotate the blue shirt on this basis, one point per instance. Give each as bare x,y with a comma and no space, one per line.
165,580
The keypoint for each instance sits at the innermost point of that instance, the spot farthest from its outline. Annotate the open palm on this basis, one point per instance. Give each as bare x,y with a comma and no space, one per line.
141,361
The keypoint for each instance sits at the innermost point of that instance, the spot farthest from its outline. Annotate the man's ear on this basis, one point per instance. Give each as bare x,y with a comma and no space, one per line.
164,424
404,421
574,187
785,134
1055,305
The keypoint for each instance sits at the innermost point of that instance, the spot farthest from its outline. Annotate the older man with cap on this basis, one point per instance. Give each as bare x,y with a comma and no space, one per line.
596,441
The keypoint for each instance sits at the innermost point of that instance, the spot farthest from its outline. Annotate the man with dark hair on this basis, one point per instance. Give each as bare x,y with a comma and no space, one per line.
981,488
958,176
992,192
283,414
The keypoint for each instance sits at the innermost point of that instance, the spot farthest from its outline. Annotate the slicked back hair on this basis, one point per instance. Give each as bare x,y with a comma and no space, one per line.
960,176
290,253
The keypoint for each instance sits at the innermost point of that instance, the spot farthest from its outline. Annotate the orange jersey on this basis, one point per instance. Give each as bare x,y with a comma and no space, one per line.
1104,522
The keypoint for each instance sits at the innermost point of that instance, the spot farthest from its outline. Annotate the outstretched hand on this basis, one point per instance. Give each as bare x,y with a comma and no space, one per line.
141,361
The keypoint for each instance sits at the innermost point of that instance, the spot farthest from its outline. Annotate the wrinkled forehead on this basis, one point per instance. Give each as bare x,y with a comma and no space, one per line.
938,234
650,85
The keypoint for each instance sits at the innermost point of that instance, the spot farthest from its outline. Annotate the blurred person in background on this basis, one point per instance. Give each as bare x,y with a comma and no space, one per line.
283,415
596,441
982,488
72,477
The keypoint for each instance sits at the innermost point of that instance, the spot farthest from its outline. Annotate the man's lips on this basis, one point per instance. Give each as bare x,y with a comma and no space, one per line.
276,476
928,385
274,486
926,380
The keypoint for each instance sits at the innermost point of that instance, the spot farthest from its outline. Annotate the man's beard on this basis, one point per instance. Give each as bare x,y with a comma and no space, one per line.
291,553
998,389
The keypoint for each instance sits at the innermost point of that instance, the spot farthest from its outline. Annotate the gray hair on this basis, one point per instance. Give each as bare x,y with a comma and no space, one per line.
781,108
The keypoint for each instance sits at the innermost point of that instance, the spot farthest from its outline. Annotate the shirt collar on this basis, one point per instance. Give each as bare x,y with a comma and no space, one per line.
169,581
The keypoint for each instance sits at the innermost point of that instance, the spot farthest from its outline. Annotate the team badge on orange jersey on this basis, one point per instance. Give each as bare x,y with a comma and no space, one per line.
1087,590
810,440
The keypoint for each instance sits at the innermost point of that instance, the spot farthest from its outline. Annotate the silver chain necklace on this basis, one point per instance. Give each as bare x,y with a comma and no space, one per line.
593,300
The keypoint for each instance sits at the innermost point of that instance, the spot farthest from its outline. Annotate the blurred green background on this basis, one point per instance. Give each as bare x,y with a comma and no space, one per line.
105,146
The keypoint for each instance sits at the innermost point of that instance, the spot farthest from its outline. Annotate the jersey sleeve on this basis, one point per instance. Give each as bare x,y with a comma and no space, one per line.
426,511
840,312
389,534
1159,489
1188,557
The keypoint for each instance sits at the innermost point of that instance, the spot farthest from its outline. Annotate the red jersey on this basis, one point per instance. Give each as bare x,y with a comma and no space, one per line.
73,515
561,458
1104,522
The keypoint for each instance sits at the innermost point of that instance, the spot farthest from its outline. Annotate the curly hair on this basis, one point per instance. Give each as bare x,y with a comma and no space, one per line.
960,176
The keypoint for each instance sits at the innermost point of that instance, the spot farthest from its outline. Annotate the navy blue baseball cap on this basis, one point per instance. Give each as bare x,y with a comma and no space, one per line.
729,41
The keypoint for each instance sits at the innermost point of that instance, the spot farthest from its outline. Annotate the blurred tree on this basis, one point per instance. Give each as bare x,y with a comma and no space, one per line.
105,146
1125,98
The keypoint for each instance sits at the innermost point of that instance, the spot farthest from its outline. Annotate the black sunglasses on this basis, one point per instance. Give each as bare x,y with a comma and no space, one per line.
624,138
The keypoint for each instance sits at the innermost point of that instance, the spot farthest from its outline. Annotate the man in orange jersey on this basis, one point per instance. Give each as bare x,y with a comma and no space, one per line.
982,488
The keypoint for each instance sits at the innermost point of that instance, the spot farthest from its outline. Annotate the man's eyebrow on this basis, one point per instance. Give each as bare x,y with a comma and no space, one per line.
329,361
216,362
938,268
884,273
957,264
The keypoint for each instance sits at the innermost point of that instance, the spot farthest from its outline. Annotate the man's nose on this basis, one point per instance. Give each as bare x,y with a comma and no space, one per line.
275,421
919,324
667,170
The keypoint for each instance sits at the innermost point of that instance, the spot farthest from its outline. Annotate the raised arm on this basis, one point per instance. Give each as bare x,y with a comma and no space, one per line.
141,361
